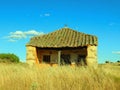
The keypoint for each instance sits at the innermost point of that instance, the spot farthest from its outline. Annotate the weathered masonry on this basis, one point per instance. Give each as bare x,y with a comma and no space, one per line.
62,47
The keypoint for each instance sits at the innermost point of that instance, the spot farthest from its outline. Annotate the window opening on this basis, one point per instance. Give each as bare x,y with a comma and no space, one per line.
46,58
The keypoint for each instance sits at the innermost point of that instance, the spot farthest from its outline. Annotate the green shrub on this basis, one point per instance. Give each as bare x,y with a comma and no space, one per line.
107,61
118,61
7,57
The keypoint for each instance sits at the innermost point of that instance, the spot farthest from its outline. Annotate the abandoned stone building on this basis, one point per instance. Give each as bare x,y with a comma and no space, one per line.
62,47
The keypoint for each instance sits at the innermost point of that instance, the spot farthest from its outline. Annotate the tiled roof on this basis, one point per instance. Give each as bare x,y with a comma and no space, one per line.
64,37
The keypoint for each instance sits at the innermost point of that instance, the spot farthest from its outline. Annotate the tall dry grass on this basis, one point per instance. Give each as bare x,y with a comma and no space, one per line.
23,77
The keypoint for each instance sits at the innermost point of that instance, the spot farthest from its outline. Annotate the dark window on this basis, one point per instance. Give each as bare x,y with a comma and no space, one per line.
65,59
46,58
81,60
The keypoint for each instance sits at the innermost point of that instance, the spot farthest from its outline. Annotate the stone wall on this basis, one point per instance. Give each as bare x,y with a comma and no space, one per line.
91,58
31,55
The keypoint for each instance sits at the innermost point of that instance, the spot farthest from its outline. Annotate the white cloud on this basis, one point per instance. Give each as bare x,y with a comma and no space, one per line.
116,52
45,15
17,35
12,40
33,32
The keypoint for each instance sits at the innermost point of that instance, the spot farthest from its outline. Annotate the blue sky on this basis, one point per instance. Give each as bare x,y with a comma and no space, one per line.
21,19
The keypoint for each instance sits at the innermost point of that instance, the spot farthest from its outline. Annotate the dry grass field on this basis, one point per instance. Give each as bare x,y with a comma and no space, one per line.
23,77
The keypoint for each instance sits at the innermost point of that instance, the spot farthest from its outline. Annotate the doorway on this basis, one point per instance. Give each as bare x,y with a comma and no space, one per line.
65,59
